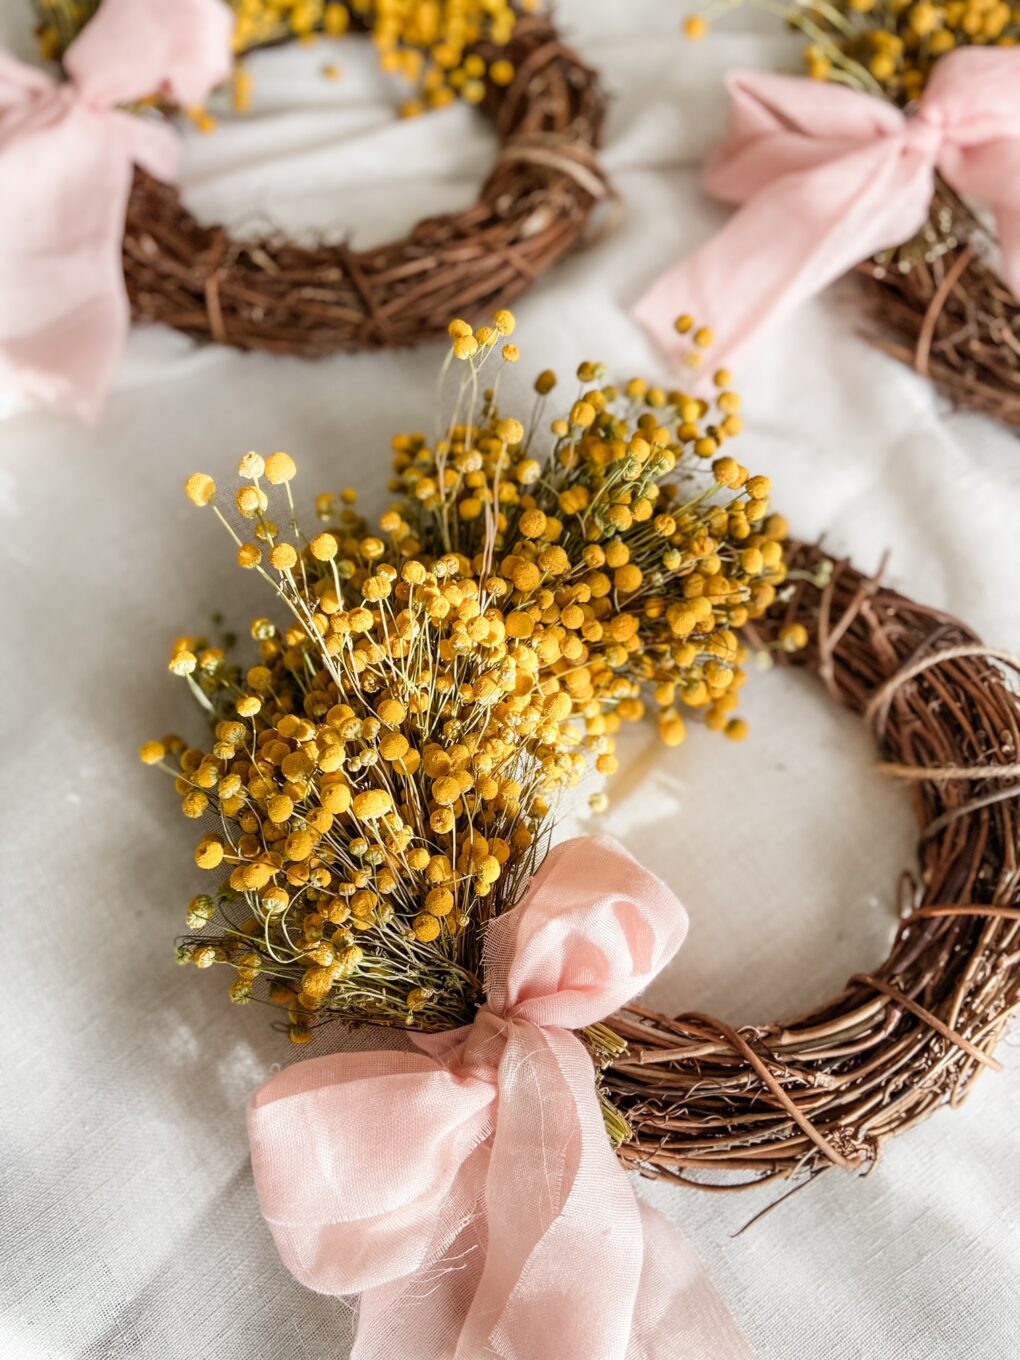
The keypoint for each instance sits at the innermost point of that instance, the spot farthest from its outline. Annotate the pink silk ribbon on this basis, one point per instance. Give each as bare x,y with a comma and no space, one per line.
66,157
827,177
469,1192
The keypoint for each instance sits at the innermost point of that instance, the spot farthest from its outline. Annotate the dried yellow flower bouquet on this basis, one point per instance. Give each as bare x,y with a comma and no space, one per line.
384,776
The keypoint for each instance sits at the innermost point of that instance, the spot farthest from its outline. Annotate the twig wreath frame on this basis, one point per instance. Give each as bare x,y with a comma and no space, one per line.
951,318
341,822
721,1108
278,296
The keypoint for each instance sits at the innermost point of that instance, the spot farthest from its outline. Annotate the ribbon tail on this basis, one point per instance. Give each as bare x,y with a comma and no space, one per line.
570,1269
422,1314
66,314
565,1234
990,173
786,243
69,365
679,1314
1008,220
975,92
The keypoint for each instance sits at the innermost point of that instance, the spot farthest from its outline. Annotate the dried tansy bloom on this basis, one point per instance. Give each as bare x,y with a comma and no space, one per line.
428,42
884,46
383,770
897,45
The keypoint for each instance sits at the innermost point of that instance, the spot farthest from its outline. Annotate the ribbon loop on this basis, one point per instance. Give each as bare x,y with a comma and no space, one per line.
469,1191
66,157
924,136
582,942
827,177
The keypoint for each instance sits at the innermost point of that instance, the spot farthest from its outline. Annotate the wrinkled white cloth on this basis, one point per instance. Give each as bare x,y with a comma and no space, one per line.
130,1227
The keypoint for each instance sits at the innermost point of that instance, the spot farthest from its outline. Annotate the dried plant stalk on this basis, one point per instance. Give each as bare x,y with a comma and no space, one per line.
717,1107
285,298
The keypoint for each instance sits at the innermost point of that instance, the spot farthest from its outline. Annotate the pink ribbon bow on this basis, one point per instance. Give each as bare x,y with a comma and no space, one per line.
470,1192
827,177
66,157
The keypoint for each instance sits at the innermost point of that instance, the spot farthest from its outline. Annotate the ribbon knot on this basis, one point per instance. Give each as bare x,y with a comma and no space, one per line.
924,135
827,177
480,1046
468,1190
66,157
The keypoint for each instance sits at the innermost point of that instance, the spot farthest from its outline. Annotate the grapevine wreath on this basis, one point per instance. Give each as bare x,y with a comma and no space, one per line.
313,299
722,1108
383,783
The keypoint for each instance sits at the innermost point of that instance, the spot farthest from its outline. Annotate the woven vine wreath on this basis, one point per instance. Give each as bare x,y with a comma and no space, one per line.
380,782
723,1108
273,294
285,298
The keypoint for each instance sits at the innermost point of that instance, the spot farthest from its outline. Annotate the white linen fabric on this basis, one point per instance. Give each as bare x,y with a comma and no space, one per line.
130,1227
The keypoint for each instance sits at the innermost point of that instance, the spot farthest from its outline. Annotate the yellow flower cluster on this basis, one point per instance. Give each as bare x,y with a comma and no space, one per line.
382,777
897,43
430,42
888,46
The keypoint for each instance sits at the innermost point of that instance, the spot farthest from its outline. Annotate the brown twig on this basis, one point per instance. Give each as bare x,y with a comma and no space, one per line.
715,1107
954,319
